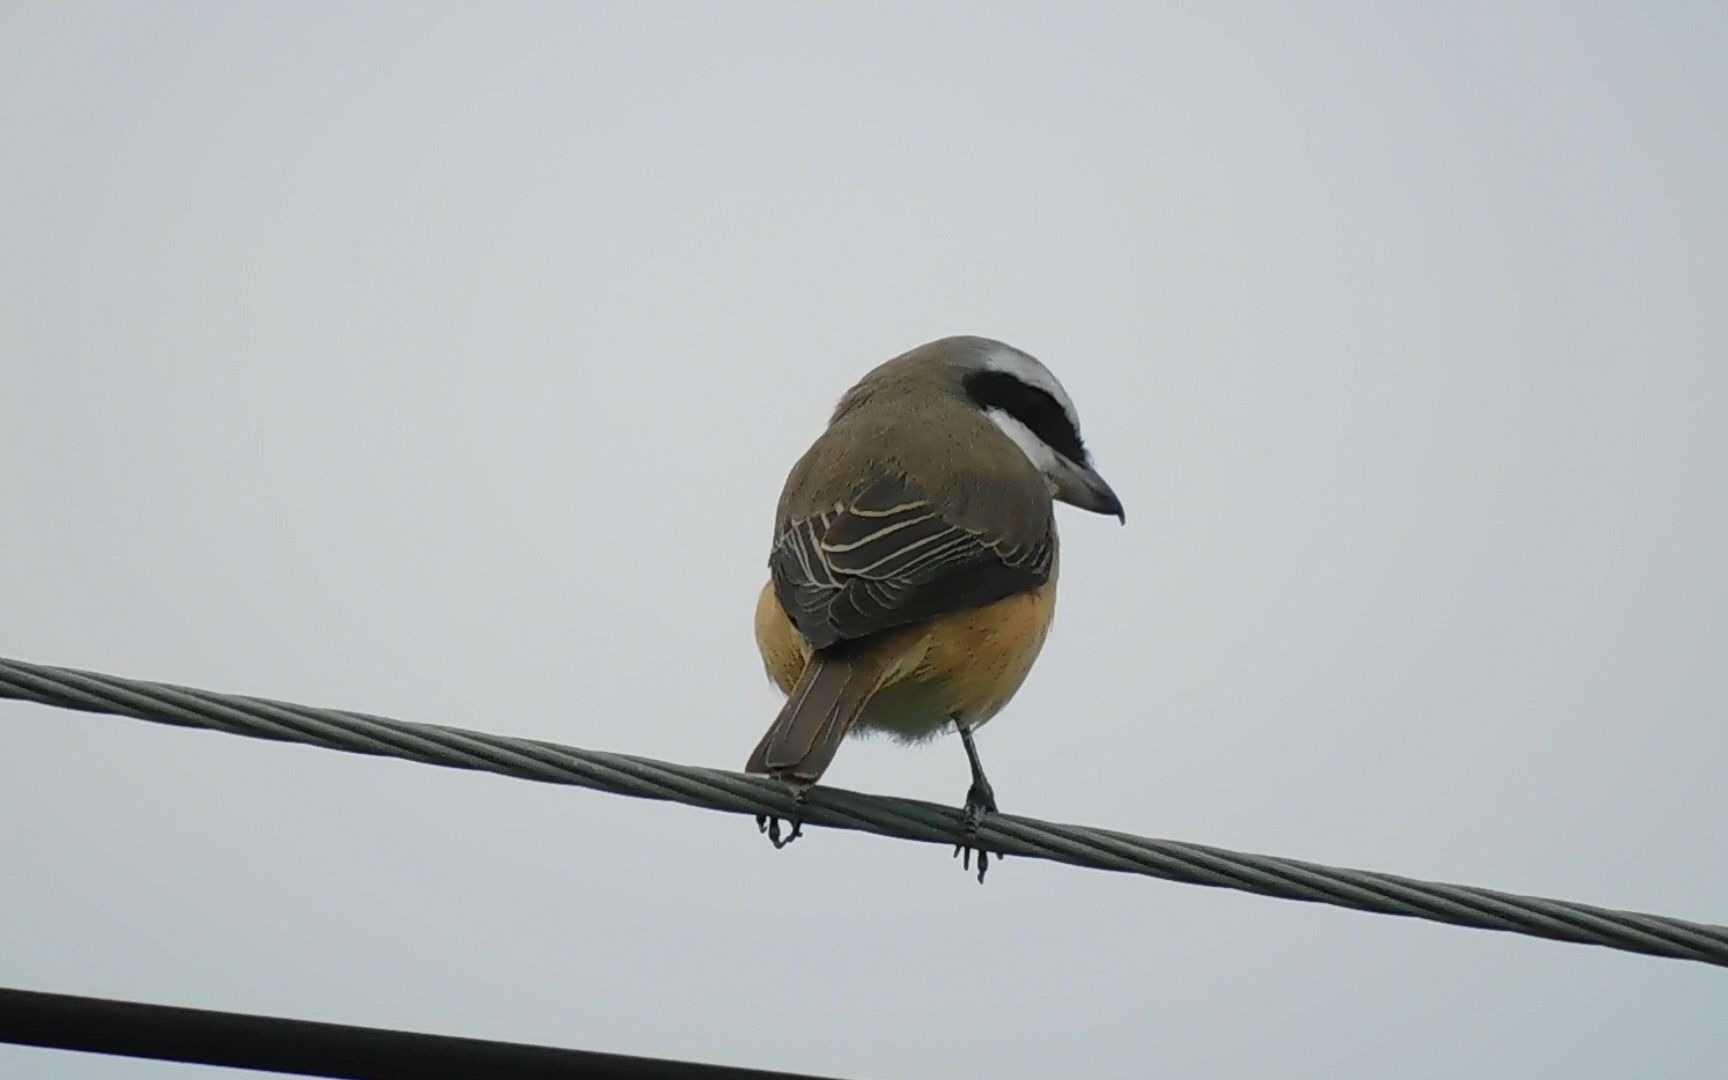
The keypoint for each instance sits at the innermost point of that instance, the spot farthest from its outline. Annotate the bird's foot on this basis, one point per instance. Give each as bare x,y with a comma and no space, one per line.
980,800
770,824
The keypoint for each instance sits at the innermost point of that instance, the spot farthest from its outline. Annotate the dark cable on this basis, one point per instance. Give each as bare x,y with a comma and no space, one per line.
908,819
308,1048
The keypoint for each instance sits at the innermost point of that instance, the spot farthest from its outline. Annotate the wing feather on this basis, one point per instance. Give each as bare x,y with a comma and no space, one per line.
887,557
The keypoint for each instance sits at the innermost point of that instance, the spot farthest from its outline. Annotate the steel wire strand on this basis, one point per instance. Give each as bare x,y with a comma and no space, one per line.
731,792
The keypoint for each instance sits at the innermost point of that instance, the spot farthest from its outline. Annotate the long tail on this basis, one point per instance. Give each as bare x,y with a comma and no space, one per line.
818,713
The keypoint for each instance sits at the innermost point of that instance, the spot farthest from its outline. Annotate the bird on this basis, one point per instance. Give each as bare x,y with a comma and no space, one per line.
912,572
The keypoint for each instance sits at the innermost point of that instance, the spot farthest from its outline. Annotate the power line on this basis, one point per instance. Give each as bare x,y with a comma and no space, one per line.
908,819
308,1048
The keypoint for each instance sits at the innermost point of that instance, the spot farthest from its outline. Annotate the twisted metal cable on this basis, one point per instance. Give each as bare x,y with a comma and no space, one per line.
908,819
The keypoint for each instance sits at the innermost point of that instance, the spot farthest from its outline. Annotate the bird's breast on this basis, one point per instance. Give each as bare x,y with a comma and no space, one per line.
961,667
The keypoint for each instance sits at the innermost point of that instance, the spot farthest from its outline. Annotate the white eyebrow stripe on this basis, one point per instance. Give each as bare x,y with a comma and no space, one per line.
1027,368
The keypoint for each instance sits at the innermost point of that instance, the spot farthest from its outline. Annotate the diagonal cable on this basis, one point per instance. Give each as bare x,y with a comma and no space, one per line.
281,1044
908,819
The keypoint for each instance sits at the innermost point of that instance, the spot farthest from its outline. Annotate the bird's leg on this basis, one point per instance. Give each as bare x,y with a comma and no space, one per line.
767,823
980,800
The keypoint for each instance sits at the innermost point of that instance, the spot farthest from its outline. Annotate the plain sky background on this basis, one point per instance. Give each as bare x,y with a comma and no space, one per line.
445,361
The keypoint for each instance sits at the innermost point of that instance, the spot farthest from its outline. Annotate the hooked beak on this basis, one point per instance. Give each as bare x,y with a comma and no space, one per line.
1080,485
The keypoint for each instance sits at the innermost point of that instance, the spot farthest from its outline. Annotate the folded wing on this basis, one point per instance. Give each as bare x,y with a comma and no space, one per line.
887,557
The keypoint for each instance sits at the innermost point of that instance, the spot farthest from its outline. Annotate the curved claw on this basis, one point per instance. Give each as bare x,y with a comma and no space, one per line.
771,826
768,823
980,800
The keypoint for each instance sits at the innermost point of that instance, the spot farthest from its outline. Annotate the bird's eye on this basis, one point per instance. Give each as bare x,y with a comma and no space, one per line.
1042,414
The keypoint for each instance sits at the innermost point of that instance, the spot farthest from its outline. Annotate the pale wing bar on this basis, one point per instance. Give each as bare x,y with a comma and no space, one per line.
888,559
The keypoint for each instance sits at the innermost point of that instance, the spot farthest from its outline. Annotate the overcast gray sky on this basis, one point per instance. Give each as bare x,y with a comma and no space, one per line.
445,361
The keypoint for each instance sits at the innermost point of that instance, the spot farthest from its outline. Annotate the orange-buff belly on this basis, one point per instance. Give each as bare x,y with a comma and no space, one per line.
961,667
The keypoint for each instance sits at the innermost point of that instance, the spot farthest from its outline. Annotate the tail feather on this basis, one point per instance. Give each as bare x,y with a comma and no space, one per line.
829,697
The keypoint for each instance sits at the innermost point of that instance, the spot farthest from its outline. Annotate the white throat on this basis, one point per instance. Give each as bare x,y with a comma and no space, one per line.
1037,451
